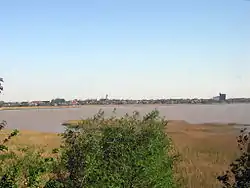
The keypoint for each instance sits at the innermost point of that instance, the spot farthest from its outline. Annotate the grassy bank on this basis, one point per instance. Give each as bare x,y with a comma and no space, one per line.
204,149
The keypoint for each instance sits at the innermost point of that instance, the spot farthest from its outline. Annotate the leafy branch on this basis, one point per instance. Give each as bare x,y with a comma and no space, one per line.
239,173
3,125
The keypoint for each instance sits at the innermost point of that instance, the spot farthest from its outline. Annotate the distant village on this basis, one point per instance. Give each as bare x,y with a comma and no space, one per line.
221,98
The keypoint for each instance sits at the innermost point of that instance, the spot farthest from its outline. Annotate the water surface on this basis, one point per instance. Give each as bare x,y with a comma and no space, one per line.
49,120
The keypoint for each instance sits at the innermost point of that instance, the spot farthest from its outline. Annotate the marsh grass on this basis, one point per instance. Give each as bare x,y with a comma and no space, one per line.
39,140
203,155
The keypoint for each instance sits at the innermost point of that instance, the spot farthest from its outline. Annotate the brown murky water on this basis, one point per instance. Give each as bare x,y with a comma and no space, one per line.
49,120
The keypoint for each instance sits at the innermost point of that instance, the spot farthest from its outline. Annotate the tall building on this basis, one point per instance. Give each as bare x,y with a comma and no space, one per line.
222,97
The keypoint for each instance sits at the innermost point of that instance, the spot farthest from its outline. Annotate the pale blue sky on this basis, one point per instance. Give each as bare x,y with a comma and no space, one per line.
126,49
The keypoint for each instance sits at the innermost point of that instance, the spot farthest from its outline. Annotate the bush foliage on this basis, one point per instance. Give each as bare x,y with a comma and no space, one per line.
238,175
30,170
125,152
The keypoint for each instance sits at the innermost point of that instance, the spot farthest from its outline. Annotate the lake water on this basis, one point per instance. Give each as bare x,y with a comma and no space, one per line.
49,120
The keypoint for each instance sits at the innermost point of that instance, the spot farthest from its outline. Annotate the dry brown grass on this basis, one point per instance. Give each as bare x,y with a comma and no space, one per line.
46,141
206,150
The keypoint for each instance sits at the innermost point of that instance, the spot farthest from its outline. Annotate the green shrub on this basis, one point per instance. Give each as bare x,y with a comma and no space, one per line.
117,152
29,170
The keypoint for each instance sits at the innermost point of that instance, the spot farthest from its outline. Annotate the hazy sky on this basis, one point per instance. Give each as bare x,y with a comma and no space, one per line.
126,48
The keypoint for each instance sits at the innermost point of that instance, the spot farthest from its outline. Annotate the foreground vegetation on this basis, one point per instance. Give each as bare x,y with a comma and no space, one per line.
130,151
204,152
